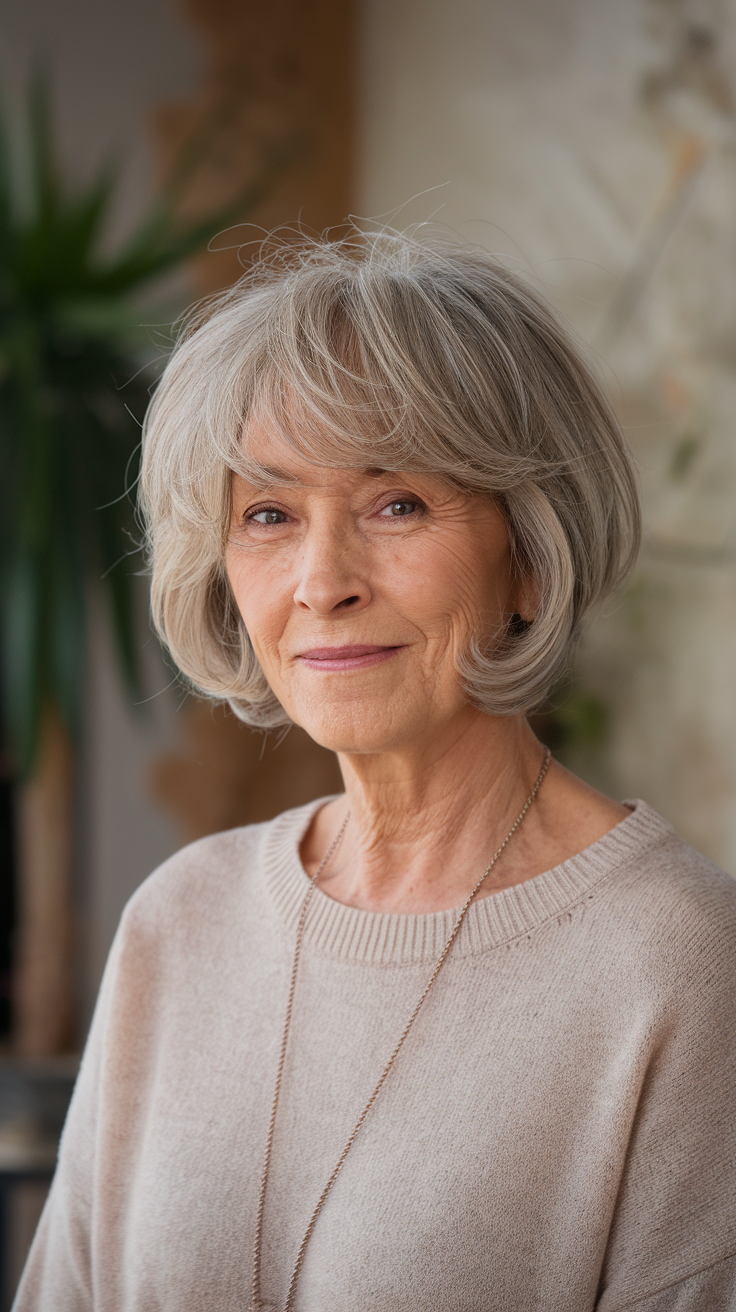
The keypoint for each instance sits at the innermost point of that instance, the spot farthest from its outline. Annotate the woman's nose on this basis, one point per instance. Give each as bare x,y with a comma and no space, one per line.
332,575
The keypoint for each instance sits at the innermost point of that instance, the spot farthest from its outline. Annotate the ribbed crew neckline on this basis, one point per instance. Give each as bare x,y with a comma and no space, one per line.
387,938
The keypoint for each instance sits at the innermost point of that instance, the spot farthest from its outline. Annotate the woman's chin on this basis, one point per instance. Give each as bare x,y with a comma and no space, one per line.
355,741
351,733
361,716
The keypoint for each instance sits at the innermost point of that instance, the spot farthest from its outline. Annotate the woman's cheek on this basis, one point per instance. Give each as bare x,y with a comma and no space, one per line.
265,626
257,587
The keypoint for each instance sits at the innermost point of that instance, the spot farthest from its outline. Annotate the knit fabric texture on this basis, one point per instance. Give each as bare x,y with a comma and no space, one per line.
558,1133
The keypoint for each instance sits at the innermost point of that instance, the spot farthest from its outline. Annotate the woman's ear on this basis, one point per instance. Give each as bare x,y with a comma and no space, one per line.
526,598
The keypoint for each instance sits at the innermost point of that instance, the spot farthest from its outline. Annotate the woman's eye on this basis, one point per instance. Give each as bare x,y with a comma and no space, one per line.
398,509
268,515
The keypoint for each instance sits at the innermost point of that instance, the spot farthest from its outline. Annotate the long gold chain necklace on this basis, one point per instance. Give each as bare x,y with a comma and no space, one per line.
256,1286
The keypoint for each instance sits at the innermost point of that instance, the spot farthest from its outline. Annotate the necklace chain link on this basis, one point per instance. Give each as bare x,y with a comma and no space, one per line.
256,1285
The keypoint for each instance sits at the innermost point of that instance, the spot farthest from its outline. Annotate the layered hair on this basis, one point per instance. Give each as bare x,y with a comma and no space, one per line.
383,351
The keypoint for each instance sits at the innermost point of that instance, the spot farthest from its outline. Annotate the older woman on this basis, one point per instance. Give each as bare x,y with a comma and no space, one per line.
459,1038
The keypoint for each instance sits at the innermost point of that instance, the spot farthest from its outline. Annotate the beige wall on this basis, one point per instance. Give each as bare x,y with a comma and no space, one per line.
592,145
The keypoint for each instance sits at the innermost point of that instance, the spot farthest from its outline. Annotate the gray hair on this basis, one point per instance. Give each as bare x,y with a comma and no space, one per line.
383,351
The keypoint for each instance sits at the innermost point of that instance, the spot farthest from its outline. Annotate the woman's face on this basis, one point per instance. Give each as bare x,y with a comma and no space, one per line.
360,590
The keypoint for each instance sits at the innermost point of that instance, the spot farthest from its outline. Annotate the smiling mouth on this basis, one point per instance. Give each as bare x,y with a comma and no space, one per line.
335,659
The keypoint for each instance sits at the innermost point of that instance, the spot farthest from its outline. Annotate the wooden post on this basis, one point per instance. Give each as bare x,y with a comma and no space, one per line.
44,1010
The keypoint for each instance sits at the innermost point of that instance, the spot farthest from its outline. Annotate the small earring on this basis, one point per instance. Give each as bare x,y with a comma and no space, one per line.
517,626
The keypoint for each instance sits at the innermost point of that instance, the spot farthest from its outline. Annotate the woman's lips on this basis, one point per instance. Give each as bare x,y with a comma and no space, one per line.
334,659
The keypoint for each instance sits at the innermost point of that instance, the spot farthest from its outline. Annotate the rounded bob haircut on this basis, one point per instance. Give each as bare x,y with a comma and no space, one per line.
383,351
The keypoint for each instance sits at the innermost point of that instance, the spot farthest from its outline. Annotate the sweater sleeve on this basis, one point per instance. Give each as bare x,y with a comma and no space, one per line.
58,1275
80,1258
712,1290
673,1237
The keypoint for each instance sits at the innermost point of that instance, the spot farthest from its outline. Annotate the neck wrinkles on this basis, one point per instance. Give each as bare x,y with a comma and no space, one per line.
380,939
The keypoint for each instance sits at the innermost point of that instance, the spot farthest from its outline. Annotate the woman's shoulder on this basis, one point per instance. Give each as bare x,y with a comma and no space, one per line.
673,899
673,868
213,876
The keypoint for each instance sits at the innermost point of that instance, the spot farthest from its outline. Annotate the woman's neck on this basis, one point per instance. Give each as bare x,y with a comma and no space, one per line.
424,823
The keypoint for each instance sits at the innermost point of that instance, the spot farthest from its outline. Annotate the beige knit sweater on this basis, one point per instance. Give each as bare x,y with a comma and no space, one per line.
558,1133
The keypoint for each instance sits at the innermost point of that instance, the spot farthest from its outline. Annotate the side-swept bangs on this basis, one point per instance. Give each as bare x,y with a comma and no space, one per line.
385,352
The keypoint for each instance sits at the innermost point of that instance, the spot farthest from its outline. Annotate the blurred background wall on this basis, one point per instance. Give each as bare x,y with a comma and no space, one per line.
590,146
